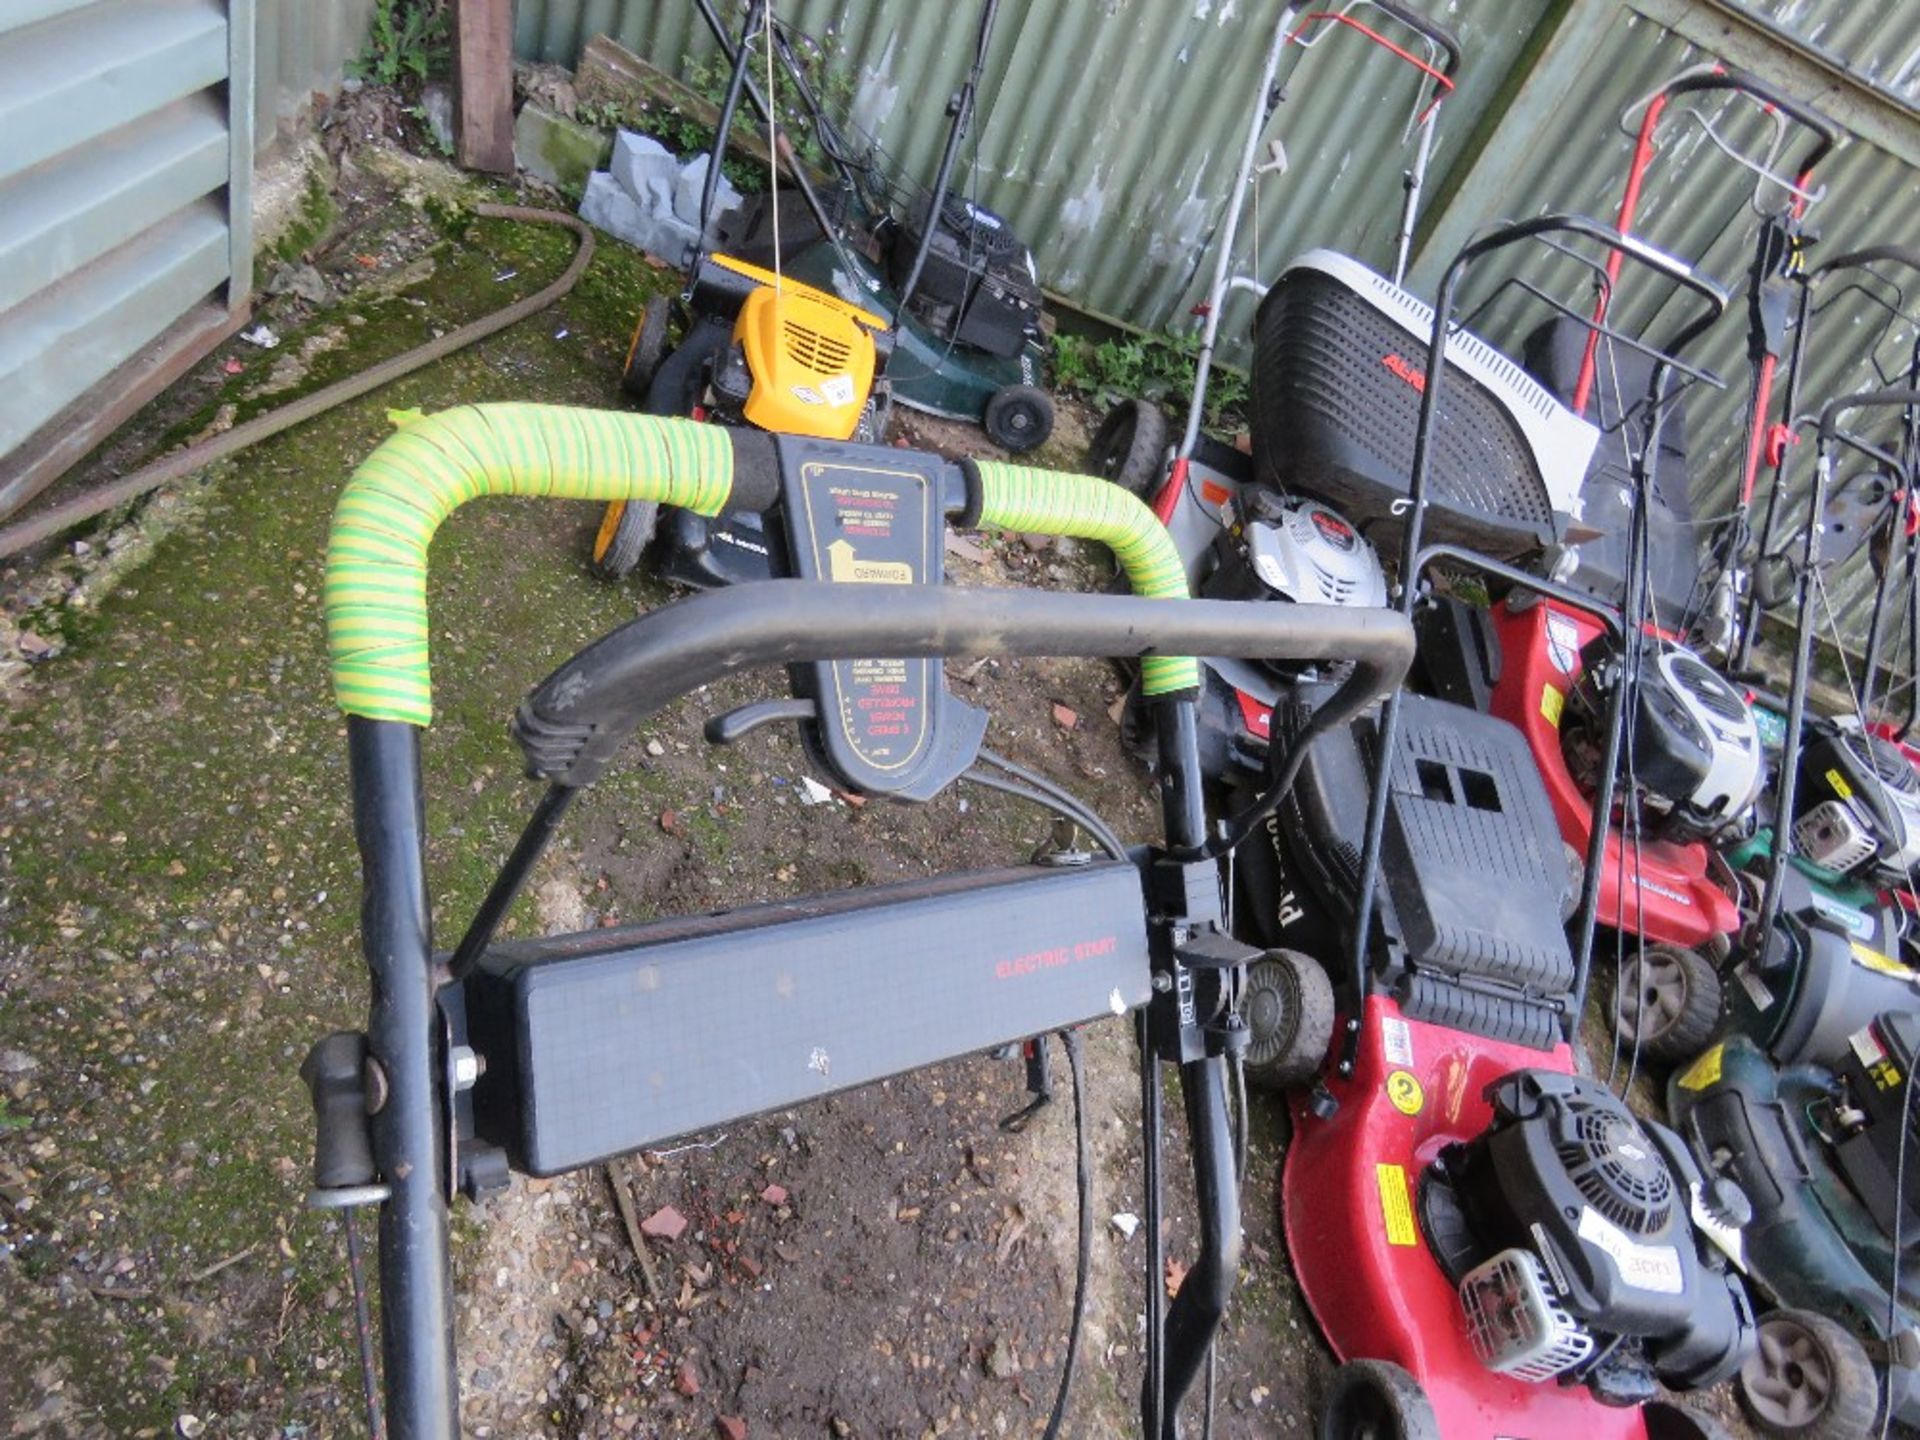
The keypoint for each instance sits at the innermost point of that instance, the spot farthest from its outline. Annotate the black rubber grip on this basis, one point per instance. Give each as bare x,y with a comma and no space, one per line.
1747,83
1431,29
756,471
1905,255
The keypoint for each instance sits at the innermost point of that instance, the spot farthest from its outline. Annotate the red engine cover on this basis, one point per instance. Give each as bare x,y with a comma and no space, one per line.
1665,892
1348,1196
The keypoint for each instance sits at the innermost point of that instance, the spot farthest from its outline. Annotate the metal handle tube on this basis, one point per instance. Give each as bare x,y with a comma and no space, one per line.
1829,433
1380,776
416,1282
576,719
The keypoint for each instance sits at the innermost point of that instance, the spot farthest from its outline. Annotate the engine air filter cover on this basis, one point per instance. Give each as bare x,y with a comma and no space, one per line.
1517,1325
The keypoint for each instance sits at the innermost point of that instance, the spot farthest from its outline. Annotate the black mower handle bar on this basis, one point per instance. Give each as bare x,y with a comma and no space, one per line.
1863,400
1423,26
576,719
1724,77
1661,263
1871,255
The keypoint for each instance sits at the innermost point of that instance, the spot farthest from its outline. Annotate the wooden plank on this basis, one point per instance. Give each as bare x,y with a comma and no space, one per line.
70,436
483,84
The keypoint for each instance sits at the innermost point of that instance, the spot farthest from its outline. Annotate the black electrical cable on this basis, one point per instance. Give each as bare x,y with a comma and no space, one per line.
1083,1256
1083,815
1078,815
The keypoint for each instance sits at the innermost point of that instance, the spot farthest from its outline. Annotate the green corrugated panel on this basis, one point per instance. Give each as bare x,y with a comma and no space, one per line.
304,48
1110,128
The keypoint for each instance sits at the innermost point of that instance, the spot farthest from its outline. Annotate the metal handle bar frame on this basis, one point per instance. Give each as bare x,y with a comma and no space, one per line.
1380,774
410,1139
1863,260
1285,33
1829,434
1588,911
1715,76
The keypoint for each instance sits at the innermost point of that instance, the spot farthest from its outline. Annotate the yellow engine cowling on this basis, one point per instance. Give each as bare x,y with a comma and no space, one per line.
812,362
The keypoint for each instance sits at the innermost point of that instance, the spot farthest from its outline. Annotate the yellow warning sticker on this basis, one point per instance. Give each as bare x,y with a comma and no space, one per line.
1403,1089
1552,702
1396,1205
1874,960
1705,1071
1839,784
1885,1075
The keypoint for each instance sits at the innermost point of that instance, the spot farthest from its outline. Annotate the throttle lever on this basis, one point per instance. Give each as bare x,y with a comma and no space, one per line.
736,724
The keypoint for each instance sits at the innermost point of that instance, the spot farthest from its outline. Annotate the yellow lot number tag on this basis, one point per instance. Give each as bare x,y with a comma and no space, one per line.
1403,1089
1396,1204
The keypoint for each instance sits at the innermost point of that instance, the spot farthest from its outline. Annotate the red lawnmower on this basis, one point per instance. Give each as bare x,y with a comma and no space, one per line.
1695,758
1493,1245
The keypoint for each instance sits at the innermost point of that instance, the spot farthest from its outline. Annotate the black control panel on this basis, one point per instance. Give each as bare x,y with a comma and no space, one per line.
876,515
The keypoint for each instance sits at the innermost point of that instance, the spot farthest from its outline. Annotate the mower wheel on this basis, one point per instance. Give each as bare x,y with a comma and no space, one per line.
1809,1379
1018,418
1377,1400
1130,447
1289,1007
1672,1005
647,350
625,531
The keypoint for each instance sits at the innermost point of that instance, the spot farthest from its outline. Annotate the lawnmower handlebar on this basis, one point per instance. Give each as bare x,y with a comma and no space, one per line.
1633,248
1863,400
576,719
1428,29
1724,77
1861,259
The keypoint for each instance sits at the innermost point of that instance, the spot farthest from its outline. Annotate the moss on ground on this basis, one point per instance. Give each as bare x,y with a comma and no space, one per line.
179,877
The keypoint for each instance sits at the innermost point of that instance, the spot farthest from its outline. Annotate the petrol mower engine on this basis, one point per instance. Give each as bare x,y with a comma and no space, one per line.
1567,1227
1695,746
1858,810
979,287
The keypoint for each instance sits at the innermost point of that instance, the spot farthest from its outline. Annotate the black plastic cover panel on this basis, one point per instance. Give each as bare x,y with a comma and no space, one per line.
601,1043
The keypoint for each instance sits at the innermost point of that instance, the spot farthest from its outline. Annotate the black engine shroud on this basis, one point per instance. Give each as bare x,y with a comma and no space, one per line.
1604,1201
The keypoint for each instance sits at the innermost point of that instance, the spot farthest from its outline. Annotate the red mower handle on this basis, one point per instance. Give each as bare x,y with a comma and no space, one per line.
1428,29
1724,77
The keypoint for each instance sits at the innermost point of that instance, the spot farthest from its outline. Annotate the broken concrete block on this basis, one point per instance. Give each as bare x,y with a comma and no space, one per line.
609,207
436,103
638,162
688,187
560,151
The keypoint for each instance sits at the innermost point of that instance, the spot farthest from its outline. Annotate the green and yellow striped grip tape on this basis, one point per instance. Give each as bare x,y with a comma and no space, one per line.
376,585
1047,502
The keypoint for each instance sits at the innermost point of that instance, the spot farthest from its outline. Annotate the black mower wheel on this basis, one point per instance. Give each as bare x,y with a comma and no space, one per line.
1130,446
1018,417
626,529
1673,1005
1809,1379
1289,1009
647,349
1377,1400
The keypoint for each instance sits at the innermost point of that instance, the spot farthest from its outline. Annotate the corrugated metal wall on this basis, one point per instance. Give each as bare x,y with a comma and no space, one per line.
128,130
124,185
1110,126
303,48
